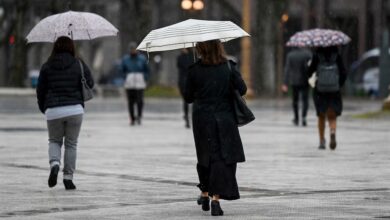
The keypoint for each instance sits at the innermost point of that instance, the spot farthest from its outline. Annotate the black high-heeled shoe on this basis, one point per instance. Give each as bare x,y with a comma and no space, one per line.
205,202
216,208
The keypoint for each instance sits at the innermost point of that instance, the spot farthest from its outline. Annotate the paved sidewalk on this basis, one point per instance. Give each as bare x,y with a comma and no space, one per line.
148,171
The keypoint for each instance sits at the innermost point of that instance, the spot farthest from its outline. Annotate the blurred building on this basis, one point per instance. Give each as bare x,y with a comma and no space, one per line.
271,24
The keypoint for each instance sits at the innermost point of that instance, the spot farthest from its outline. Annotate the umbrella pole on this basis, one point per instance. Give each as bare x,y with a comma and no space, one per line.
193,52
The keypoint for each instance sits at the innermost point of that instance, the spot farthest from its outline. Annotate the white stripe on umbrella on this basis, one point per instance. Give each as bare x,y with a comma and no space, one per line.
186,33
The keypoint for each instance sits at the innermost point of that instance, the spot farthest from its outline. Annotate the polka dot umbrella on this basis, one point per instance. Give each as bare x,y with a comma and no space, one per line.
318,38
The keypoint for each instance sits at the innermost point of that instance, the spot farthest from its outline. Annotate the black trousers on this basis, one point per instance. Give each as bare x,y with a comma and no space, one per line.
302,91
135,97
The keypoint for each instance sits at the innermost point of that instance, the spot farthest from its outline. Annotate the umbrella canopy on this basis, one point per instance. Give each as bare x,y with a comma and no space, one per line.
76,25
318,38
186,33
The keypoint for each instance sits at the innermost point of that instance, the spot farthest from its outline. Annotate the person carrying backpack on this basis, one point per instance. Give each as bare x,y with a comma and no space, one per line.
331,76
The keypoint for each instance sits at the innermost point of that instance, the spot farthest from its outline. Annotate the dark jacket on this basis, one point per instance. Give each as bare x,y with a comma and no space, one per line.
324,101
59,82
208,87
184,61
295,72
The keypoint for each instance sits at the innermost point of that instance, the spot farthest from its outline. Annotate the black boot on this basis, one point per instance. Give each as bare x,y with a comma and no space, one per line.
216,208
304,123
295,121
52,181
69,185
205,202
187,121
332,144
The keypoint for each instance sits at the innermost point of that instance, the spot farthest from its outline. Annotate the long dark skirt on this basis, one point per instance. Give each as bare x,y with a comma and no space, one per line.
218,178
325,101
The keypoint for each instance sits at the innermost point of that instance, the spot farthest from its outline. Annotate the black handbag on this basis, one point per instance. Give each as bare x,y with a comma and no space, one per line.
241,111
85,89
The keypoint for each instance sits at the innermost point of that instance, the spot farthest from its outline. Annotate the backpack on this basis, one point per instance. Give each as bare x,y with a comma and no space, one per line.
328,74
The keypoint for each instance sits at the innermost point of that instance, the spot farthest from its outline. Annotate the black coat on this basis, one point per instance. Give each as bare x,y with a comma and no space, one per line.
295,72
208,87
184,61
59,82
333,100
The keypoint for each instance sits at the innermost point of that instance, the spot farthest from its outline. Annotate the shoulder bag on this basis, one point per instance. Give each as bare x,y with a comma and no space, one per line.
242,113
85,89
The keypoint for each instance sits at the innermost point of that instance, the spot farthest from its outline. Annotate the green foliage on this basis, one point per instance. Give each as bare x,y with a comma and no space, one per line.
373,115
162,91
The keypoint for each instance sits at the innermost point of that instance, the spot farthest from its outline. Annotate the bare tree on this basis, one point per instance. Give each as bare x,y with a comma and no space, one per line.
266,42
19,48
135,21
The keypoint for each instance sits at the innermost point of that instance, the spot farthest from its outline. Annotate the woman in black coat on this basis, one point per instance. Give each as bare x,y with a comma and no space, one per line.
328,103
60,98
217,139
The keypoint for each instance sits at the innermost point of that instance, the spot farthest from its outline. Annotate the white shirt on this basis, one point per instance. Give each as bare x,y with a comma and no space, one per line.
63,111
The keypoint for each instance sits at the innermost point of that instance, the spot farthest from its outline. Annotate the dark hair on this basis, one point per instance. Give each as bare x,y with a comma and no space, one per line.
328,51
211,52
63,45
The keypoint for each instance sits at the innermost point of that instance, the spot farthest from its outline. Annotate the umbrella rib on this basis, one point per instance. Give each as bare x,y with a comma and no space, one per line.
187,42
180,35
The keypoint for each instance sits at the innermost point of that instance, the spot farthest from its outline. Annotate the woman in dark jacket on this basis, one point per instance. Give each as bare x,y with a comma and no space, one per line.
328,102
217,139
60,98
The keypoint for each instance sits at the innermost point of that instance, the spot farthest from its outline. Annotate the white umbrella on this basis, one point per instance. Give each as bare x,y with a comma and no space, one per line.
76,25
186,33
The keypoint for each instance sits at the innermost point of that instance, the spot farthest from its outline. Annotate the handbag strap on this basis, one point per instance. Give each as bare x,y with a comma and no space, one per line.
230,75
82,71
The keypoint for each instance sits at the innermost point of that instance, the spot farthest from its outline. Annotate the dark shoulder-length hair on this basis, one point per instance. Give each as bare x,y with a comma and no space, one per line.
63,45
328,51
211,52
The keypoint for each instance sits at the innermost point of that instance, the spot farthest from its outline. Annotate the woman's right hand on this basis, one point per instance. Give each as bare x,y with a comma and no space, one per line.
284,88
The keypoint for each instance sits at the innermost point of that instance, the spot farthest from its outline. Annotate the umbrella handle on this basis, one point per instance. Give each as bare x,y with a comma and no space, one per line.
70,31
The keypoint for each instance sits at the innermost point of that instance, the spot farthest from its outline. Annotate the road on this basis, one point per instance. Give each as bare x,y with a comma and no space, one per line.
148,171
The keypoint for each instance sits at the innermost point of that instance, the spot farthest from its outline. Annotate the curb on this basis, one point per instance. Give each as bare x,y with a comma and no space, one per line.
17,92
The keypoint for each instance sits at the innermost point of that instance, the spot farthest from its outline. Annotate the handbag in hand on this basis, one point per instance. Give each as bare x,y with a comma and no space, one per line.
241,111
85,89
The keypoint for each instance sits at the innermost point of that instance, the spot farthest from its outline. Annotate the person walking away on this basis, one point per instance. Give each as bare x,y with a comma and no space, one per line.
184,60
217,139
135,68
60,98
295,75
331,76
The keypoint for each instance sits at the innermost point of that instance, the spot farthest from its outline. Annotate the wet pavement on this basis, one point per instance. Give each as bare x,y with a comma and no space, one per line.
148,171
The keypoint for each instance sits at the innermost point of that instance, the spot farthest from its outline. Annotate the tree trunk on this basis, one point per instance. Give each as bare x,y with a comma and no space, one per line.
135,21
19,48
266,43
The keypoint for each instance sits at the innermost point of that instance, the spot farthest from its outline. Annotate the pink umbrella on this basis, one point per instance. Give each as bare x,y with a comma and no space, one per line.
318,38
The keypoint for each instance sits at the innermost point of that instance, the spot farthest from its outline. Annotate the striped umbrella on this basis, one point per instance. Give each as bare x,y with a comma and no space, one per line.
186,33
318,38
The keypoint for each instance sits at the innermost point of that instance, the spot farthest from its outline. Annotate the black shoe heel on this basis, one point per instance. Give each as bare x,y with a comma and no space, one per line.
216,209
52,181
205,202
